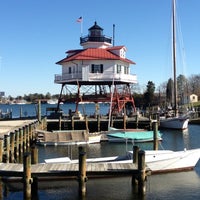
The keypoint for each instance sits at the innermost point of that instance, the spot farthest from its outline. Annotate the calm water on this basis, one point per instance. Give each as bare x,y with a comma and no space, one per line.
29,110
184,185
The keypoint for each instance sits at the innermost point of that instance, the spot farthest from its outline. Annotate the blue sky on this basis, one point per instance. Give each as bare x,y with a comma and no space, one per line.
35,34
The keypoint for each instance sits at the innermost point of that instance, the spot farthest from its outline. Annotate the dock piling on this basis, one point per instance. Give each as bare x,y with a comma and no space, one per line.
12,146
27,176
155,135
82,171
135,154
34,160
141,173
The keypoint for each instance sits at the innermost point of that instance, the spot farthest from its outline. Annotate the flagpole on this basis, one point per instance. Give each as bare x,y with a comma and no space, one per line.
82,27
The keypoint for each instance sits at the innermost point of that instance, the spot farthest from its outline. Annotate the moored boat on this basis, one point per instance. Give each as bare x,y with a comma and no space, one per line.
180,123
131,135
160,161
66,137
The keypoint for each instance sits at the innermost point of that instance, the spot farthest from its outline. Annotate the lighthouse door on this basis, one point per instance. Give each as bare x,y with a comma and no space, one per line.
85,73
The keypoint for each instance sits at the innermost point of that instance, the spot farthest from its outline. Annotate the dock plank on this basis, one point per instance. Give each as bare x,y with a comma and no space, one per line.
65,169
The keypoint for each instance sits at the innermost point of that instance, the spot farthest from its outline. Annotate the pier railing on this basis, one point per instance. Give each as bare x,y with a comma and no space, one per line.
14,143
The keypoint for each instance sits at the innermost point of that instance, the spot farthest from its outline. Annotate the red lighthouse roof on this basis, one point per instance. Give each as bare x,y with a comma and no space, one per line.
93,54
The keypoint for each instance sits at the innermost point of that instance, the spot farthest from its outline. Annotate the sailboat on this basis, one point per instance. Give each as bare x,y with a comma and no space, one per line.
175,122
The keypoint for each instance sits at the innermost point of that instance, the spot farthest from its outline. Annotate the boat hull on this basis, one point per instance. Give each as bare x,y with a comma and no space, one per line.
134,136
174,123
171,161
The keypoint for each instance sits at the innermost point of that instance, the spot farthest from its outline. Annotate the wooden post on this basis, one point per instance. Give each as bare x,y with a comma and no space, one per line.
1,150
34,160
150,122
17,145
82,171
98,123
39,111
137,120
141,173
30,134
155,135
112,121
27,138
12,147
60,123
72,122
27,176
135,154
34,155
20,144
124,119
135,161
7,141
86,124
24,139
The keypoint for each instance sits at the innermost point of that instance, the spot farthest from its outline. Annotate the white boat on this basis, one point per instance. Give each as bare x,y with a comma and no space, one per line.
168,161
66,137
176,122
161,161
179,123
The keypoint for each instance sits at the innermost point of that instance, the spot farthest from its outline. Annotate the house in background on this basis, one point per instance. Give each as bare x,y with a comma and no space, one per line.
193,98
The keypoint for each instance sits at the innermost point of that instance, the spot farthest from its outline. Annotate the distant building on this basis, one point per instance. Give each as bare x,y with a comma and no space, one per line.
193,98
2,94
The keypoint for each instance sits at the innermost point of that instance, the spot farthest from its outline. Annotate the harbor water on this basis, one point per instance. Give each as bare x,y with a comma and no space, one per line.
182,185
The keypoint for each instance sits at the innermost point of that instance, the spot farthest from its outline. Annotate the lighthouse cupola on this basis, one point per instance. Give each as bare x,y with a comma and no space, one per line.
95,38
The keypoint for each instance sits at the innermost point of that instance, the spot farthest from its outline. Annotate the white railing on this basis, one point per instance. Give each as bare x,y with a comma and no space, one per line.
96,77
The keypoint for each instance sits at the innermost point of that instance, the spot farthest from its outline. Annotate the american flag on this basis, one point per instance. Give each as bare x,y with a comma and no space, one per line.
80,19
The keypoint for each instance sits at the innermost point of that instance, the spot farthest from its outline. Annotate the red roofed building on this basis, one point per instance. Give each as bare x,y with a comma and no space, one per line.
97,64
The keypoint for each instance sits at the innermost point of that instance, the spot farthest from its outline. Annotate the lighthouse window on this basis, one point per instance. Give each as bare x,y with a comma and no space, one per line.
97,68
126,70
70,70
119,69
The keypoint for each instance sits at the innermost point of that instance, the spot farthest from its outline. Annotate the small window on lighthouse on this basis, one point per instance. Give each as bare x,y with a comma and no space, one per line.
97,68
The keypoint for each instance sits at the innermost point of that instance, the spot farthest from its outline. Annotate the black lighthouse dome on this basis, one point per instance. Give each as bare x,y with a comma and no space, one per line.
95,34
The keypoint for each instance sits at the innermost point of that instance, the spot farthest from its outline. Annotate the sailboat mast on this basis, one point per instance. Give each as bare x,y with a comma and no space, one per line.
174,53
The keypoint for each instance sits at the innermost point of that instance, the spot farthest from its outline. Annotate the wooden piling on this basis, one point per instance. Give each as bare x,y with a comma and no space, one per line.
136,120
12,147
135,161
39,111
124,120
155,135
20,145
141,173
27,138
60,123
82,171
72,122
7,141
86,124
34,160
16,151
98,123
135,154
24,139
1,150
27,176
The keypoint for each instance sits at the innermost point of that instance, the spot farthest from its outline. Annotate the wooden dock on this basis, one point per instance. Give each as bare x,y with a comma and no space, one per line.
68,169
30,173
19,158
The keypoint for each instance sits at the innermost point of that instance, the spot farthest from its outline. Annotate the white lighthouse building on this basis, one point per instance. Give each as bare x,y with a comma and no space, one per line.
94,69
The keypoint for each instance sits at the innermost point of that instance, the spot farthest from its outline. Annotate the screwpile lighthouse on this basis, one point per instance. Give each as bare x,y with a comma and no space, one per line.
99,72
